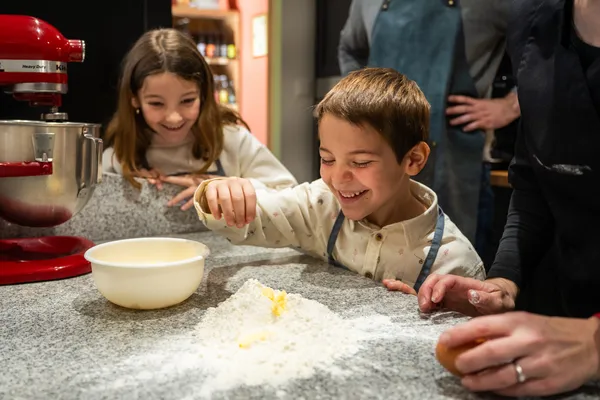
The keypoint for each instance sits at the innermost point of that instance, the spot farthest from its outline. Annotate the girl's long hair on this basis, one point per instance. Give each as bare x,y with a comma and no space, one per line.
158,51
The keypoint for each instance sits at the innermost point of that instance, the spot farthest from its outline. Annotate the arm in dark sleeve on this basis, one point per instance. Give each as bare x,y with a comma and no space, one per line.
353,50
529,229
501,15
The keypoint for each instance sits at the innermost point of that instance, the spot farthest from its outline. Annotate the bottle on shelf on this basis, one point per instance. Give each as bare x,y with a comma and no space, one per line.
217,87
231,50
231,93
223,91
210,46
217,52
222,46
202,45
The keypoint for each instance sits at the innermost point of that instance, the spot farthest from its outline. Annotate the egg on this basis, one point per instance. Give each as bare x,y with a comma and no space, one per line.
279,300
248,340
447,356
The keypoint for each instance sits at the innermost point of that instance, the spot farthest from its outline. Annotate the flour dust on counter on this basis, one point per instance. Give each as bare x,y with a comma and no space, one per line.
262,336
259,338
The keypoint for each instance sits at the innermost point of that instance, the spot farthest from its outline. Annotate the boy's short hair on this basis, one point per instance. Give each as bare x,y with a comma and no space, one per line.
384,99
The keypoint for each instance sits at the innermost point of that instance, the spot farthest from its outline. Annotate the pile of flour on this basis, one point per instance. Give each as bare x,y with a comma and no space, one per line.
244,342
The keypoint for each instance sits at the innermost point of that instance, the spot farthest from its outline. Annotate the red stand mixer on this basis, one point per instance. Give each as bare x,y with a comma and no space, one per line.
48,168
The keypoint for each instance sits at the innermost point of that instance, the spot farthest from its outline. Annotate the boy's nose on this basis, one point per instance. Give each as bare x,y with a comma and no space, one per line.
341,174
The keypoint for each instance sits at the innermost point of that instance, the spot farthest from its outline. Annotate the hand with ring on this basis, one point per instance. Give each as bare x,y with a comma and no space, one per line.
527,354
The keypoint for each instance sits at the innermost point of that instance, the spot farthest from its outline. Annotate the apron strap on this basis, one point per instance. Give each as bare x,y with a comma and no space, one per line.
433,250
220,170
333,237
144,163
429,260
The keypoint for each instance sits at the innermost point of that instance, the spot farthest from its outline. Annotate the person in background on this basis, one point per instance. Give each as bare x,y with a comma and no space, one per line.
168,127
548,262
452,49
365,213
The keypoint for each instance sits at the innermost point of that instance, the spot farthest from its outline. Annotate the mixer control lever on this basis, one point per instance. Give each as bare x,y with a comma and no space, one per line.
43,146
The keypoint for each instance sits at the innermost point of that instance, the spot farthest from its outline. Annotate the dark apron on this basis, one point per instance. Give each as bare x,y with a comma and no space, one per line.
429,260
218,172
560,103
424,40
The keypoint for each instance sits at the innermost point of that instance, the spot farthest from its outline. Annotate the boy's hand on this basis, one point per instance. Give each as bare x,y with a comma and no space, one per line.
233,198
395,285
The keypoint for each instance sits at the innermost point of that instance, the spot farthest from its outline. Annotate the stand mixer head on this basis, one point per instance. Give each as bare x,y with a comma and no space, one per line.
33,60
48,168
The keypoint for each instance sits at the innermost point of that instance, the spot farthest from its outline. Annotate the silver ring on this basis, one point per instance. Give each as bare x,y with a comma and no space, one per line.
521,377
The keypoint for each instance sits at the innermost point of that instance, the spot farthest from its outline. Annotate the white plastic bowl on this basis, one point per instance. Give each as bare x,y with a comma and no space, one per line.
147,273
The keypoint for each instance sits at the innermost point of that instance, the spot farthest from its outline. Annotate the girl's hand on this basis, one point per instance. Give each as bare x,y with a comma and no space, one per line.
152,176
232,198
527,354
191,182
467,295
395,285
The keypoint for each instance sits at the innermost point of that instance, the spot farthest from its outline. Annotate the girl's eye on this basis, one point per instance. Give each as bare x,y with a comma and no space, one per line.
362,164
326,162
189,101
155,104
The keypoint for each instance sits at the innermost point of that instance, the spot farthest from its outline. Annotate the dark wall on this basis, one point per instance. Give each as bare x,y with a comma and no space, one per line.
331,17
109,28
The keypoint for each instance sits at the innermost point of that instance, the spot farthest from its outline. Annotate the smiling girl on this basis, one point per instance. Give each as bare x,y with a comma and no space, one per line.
168,128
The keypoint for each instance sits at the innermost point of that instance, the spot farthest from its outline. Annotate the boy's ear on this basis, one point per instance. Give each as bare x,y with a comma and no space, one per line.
416,158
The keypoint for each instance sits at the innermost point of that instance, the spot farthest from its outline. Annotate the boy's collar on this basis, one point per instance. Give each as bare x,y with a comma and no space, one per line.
417,228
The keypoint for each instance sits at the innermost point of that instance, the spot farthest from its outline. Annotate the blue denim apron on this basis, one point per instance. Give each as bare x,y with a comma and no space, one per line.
424,40
429,260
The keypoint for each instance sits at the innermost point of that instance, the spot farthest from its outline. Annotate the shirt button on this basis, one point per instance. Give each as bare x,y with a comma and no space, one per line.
378,237
369,275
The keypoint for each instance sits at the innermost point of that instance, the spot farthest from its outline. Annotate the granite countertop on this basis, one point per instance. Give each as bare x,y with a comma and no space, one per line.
117,210
63,340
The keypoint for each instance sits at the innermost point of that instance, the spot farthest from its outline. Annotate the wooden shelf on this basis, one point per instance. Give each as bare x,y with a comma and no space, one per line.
181,11
499,178
220,61
208,20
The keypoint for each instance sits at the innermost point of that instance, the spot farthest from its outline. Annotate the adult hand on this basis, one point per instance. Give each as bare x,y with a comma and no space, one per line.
191,183
483,113
232,198
153,177
467,295
553,355
396,285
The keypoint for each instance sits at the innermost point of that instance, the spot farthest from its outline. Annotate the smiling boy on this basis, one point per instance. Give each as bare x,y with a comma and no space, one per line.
365,213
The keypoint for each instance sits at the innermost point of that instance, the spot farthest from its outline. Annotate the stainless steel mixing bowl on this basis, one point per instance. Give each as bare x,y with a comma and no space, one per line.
75,153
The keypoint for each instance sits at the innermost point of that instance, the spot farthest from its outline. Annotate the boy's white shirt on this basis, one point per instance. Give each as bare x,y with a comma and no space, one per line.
243,156
303,217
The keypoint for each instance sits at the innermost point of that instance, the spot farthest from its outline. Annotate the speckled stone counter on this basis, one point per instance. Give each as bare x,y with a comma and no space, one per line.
63,340
118,210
